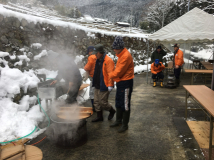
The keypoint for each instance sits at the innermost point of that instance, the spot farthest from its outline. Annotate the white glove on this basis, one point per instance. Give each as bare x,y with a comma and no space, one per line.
110,89
85,76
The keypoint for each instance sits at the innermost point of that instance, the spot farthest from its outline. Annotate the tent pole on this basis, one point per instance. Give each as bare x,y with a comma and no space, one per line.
212,83
189,54
147,61
185,50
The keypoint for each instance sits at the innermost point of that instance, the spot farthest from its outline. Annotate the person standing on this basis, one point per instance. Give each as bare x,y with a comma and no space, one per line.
158,54
89,68
102,83
123,75
178,61
156,69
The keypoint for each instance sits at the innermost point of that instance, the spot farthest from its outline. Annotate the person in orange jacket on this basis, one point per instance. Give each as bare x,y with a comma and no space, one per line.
156,68
102,83
89,68
178,61
123,75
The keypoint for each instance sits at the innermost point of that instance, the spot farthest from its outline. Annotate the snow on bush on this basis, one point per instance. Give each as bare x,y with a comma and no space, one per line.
48,73
13,57
78,59
13,79
24,57
204,53
43,53
4,54
36,45
17,120
19,63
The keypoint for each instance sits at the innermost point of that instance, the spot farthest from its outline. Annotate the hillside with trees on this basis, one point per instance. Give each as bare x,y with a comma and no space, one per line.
163,12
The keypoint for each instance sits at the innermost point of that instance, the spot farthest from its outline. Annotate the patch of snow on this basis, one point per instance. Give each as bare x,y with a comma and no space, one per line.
88,18
78,59
24,57
4,54
18,119
17,123
13,57
141,68
36,45
19,63
48,73
13,79
22,49
43,53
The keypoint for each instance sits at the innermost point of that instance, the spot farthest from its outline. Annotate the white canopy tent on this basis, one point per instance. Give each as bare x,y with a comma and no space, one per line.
194,26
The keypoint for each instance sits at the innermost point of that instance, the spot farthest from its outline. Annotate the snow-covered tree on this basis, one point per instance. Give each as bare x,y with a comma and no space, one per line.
205,5
157,13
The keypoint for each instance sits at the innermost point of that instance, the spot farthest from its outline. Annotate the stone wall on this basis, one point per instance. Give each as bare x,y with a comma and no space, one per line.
16,34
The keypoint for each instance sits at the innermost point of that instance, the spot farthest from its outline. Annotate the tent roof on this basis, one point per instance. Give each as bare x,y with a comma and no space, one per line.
196,25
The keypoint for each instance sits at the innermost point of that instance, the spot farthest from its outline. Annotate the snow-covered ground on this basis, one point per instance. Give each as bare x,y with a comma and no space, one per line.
203,53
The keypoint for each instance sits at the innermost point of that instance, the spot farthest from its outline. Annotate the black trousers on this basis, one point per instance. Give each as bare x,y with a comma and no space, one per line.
123,94
158,75
177,72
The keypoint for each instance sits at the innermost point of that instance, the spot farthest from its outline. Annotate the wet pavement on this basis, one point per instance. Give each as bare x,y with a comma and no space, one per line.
157,129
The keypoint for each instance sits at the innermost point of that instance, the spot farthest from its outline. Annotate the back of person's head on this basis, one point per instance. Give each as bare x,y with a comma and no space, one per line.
118,43
89,49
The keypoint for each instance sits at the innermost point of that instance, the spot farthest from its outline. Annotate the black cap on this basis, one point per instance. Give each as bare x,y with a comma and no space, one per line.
159,47
90,49
176,45
98,48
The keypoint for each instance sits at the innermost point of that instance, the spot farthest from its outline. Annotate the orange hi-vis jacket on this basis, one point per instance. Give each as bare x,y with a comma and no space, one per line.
178,58
108,67
90,66
157,69
124,68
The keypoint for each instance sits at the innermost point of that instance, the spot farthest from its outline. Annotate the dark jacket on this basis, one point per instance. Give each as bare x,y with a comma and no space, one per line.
68,70
106,67
156,55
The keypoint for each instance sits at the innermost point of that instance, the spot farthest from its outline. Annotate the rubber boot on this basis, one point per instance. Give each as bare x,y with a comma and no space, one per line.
111,114
177,82
161,82
154,85
119,116
99,117
126,116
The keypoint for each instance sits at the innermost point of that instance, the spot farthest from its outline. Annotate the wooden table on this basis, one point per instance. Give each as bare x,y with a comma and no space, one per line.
207,65
194,71
205,96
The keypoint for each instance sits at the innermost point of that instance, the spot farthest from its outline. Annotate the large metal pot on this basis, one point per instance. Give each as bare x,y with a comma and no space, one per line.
69,132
